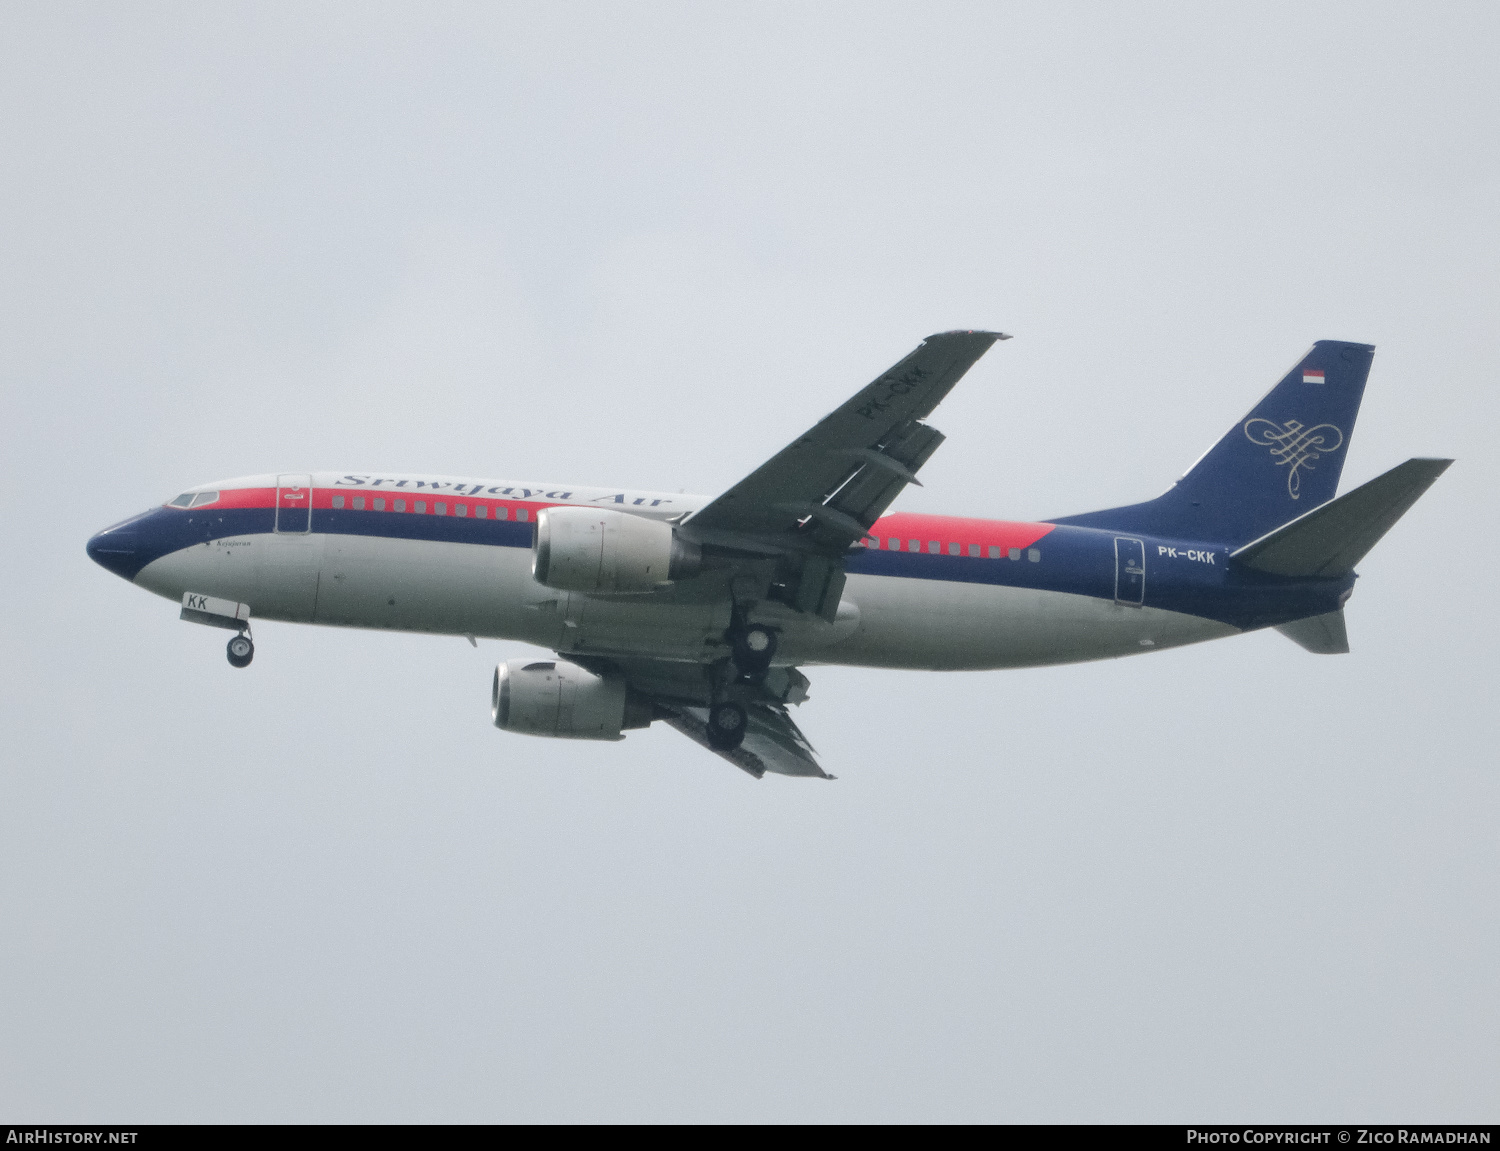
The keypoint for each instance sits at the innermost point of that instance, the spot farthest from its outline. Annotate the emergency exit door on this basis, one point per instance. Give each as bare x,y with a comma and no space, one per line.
1130,571
294,504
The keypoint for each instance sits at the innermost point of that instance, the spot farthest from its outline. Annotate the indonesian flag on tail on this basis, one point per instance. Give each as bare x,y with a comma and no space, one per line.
1312,376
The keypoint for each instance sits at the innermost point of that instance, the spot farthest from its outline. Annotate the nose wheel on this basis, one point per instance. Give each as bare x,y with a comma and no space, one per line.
240,651
726,726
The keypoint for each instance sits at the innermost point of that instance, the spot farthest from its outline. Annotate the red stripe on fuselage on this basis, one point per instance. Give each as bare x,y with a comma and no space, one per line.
903,526
322,500
945,530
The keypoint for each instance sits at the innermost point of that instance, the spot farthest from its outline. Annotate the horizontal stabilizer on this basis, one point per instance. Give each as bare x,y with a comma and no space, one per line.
1331,539
1319,634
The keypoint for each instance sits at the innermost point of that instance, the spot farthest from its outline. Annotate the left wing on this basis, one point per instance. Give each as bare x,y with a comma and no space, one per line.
772,741
802,509
823,491
782,533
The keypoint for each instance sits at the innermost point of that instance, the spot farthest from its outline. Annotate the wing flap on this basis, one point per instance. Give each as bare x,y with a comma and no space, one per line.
772,743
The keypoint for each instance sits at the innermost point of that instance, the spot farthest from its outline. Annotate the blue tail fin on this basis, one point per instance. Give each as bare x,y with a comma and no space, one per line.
1282,459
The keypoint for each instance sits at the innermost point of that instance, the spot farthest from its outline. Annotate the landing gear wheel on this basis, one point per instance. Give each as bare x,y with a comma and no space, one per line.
240,651
754,648
726,726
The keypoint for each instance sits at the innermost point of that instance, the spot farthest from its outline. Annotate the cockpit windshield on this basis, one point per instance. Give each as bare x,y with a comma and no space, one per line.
194,499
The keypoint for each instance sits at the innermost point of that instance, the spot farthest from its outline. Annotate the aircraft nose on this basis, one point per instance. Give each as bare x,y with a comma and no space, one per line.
117,548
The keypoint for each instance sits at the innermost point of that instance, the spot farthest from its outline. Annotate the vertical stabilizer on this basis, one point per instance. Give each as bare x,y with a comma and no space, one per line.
1280,460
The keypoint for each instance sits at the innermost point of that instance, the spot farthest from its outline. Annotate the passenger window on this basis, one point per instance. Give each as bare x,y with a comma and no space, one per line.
401,505
359,503
460,510
521,514
420,506
952,549
994,552
338,501
1033,555
934,547
379,504
974,551
913,545
1015,553
894,545
440,509
482,512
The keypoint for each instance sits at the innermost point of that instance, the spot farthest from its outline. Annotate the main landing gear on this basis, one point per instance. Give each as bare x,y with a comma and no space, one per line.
240,651
752,647
726,726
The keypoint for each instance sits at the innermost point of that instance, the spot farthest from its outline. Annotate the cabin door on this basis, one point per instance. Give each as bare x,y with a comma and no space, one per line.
294,504
1130,571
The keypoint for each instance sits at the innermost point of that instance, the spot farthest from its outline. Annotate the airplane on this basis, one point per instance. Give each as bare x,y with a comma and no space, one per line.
701,612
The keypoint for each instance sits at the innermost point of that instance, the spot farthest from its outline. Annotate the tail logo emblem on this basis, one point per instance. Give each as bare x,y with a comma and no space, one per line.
1293,446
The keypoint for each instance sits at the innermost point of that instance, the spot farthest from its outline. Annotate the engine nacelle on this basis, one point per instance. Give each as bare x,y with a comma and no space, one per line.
595,550
565,701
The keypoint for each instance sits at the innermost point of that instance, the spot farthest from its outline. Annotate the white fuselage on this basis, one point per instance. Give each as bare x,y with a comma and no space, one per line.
367,579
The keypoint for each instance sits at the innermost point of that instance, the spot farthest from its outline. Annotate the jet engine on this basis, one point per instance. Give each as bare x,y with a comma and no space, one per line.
593,550
563,700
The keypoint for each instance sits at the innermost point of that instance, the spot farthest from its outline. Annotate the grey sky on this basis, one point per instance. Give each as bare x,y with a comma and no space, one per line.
648,246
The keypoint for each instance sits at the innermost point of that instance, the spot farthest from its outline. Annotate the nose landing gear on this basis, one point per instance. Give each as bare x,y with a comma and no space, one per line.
240,651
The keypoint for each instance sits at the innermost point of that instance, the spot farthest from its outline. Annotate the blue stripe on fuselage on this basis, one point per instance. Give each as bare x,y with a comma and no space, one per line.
1081,561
